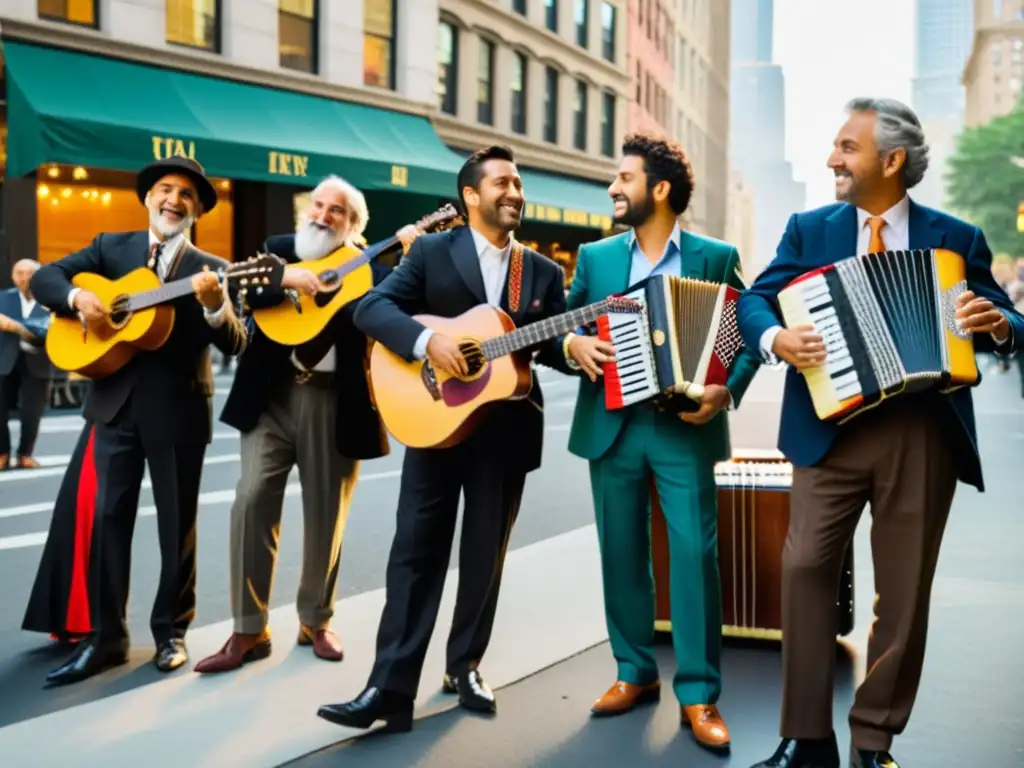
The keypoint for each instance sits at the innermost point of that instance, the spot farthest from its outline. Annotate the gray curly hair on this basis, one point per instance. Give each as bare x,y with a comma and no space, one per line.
897,127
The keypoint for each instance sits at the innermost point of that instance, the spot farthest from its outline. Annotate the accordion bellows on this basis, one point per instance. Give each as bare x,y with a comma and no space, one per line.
889,325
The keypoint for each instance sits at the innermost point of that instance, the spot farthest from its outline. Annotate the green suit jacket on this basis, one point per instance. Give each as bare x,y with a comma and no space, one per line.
602,270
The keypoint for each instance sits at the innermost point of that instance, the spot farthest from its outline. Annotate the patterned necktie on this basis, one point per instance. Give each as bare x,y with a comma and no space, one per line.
877,244
155,251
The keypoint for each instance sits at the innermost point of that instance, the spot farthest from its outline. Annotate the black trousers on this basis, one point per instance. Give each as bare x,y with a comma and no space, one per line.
175,470
432,481
33,395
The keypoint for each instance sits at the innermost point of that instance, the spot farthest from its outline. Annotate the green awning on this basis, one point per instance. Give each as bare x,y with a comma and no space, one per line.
73,108
565,200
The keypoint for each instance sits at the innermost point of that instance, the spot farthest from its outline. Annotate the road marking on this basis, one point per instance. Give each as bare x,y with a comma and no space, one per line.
209,498
13,476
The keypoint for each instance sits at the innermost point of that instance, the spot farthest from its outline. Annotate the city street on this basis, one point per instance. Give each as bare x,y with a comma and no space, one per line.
548,659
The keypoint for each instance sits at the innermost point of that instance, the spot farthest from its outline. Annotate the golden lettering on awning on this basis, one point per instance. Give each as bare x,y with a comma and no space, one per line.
399,176
287,164
172,146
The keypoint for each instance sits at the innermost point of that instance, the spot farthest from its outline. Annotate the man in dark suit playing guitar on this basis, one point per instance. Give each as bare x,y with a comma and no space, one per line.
448,274
154,410
23,363
307,405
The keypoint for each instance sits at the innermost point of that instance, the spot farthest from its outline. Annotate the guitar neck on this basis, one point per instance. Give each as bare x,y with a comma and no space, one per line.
365,257
165,293
543,330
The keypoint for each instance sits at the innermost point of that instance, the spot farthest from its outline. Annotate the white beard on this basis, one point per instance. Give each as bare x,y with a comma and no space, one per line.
312,242
168,229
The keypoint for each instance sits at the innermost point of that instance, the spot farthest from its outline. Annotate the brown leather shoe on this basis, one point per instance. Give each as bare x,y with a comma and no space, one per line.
238,650
27,462
4,461
708,727
326,644
622,697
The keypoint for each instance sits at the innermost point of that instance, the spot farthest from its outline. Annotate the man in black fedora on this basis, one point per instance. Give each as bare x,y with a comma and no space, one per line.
155,411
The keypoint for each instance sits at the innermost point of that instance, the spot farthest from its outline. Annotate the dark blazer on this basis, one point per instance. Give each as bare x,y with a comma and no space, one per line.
10,343
825,235
266,369
441,276
170,388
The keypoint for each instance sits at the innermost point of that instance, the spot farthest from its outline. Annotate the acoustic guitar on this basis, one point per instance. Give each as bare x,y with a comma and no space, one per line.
427,408
138,315
345,275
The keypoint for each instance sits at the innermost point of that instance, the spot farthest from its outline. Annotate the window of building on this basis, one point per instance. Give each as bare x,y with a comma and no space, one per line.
551,104
551,15
519,6
195,23
582,11
608,12
297,39
447,67
579,116
519,86
485,83
82,12
608,124
379,43
639,83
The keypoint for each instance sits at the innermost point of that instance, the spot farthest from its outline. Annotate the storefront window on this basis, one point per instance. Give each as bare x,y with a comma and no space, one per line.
74,204
195,23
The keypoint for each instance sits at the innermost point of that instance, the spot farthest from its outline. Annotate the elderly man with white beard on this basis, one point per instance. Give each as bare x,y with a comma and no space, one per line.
308,406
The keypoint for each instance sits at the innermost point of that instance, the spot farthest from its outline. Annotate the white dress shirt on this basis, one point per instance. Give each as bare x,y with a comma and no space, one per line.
493,270
895,235
328,362
170,250
27,305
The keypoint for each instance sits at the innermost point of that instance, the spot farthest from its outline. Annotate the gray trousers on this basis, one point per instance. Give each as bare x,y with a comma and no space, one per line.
297,428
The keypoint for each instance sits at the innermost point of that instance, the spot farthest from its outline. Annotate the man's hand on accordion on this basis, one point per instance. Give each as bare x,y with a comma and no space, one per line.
590,353
800,346
715,398
978,315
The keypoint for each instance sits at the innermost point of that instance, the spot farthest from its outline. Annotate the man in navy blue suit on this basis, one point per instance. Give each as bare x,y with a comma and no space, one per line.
903,457
24,365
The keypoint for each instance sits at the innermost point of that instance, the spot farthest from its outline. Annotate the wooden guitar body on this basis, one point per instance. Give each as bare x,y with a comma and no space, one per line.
423,407
104,348
292,325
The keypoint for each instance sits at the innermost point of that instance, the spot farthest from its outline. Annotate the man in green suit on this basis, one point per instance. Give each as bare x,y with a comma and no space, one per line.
626,446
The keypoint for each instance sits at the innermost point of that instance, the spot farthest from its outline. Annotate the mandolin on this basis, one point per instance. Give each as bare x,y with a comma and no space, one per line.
423,407
345,275
138,315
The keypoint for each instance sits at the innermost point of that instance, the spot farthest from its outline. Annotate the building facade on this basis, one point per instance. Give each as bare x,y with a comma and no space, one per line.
995,68
739,225
273,95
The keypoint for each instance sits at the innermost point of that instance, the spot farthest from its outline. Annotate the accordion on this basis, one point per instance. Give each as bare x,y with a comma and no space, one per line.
684,338
889,326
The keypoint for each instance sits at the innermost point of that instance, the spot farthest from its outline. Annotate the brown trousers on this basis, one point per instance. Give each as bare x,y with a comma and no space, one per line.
901,461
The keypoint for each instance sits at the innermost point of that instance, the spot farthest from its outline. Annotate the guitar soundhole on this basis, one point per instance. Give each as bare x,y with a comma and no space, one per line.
475,359
120,312
330,284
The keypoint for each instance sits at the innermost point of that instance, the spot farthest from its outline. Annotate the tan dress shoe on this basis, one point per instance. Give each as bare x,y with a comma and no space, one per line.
326,644
622,697
4,461
708,727
27,462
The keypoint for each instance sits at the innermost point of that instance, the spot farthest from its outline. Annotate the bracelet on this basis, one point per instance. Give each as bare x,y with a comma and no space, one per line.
573,365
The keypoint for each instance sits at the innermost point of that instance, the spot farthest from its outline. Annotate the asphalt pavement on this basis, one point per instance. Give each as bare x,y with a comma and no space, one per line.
548,659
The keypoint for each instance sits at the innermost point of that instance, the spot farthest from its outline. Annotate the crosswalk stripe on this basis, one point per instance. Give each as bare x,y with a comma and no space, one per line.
14,476
24,540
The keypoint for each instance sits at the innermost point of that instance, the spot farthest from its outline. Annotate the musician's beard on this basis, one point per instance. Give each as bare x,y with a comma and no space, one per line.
168,228
314,242
635,214
846,187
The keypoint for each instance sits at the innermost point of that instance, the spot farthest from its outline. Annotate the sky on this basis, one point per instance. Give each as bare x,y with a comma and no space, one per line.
830,52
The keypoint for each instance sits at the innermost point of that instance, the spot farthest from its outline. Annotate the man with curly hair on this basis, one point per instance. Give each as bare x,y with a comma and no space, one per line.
626,447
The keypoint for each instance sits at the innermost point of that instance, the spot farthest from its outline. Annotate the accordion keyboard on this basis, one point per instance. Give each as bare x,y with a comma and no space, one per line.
631,378
810,302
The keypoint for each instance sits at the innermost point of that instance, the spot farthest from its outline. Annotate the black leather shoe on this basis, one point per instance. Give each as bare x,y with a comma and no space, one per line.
373,704
804,753
170,654
474,694
91,656
450,684
864,758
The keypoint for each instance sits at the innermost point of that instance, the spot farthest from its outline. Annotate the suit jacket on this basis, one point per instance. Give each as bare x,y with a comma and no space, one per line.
38,321
441,276
265,369
168,390
823,236
602,270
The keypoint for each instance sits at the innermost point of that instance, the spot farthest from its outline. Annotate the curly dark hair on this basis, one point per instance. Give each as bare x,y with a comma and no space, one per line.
664,160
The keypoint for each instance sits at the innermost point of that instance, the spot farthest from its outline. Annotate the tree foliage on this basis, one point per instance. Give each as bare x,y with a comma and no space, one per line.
983,184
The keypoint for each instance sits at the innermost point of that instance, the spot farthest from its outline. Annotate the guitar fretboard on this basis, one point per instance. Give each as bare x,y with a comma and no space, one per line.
365,257
543,330
166,292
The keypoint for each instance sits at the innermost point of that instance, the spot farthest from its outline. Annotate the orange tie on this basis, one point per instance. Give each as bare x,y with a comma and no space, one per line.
877,245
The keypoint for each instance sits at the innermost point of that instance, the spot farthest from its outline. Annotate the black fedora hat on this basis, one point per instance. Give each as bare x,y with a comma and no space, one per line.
186,166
